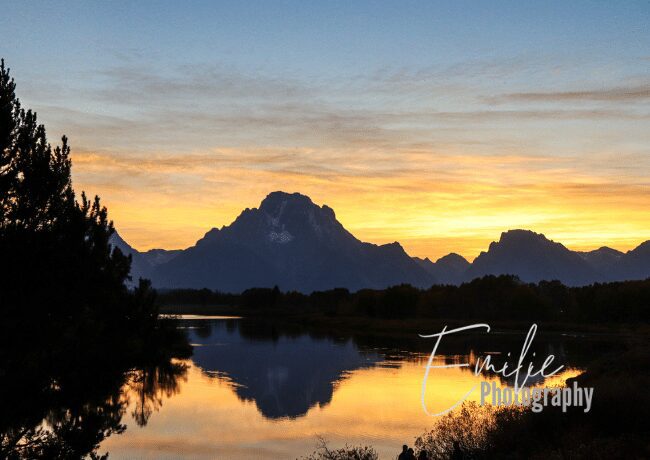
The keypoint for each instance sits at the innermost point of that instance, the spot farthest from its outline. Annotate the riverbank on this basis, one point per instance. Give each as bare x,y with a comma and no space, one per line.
408,327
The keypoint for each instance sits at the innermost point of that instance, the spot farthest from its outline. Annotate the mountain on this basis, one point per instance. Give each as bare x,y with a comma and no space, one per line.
602,259
450,269
533,257
142,263
634,264
140,267
157,257
293,243
615,265
297,245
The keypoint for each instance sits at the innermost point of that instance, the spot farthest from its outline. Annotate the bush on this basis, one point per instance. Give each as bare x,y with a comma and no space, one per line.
323,452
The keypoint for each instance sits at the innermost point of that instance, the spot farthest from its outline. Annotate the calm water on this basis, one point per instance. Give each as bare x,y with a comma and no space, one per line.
253,391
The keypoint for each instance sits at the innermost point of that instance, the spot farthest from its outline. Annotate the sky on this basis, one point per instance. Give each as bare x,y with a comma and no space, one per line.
438,124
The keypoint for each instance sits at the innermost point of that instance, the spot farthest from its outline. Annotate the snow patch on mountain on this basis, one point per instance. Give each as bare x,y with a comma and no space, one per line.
282,237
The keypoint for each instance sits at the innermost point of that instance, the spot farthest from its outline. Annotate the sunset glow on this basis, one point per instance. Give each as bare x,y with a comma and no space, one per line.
361,397
439,135
437,204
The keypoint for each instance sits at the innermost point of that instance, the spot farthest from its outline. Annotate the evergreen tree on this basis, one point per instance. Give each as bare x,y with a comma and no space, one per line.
55,251
71,332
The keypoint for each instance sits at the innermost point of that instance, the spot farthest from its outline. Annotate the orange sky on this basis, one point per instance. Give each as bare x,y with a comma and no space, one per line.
433,203
427,125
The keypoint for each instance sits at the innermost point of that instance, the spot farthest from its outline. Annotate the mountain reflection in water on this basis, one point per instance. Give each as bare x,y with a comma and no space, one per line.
285,376
252,389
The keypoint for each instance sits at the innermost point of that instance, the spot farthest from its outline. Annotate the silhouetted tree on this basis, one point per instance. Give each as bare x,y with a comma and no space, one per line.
57,260
71,330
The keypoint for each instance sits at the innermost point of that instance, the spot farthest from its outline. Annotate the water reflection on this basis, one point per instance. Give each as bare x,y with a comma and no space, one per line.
149,387
265,390
285,376
61,397
251,390
69,419
286,371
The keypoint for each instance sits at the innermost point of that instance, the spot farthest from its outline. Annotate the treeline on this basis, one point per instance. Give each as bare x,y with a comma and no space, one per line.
488,298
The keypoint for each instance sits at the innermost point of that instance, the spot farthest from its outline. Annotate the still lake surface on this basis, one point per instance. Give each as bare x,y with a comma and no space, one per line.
256,391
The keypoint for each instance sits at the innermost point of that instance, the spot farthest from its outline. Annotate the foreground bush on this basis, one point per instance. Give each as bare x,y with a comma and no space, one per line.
323,452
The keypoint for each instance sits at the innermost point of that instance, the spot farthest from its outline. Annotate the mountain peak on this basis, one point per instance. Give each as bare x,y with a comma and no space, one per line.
277,206
606,251
520,240
291,242
520,235
117,241
276,200
449,269
287,215
393,247
533,258
453,258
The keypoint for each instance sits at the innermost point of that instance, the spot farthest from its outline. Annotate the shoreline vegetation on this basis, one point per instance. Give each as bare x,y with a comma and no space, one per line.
504,302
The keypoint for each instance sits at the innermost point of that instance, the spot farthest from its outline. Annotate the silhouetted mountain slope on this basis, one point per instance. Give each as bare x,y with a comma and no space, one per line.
142,263
450,269
140,267
634,264
601,259
157,257
532,257
292,243
615,265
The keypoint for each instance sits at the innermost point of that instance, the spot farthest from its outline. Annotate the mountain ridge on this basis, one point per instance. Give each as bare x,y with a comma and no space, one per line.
291,242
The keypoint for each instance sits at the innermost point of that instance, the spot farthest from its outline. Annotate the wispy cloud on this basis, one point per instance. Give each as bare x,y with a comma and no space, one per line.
633,93
135,107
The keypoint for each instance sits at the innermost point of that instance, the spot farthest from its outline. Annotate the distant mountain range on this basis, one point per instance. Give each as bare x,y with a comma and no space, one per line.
449,269
143,263
297,245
